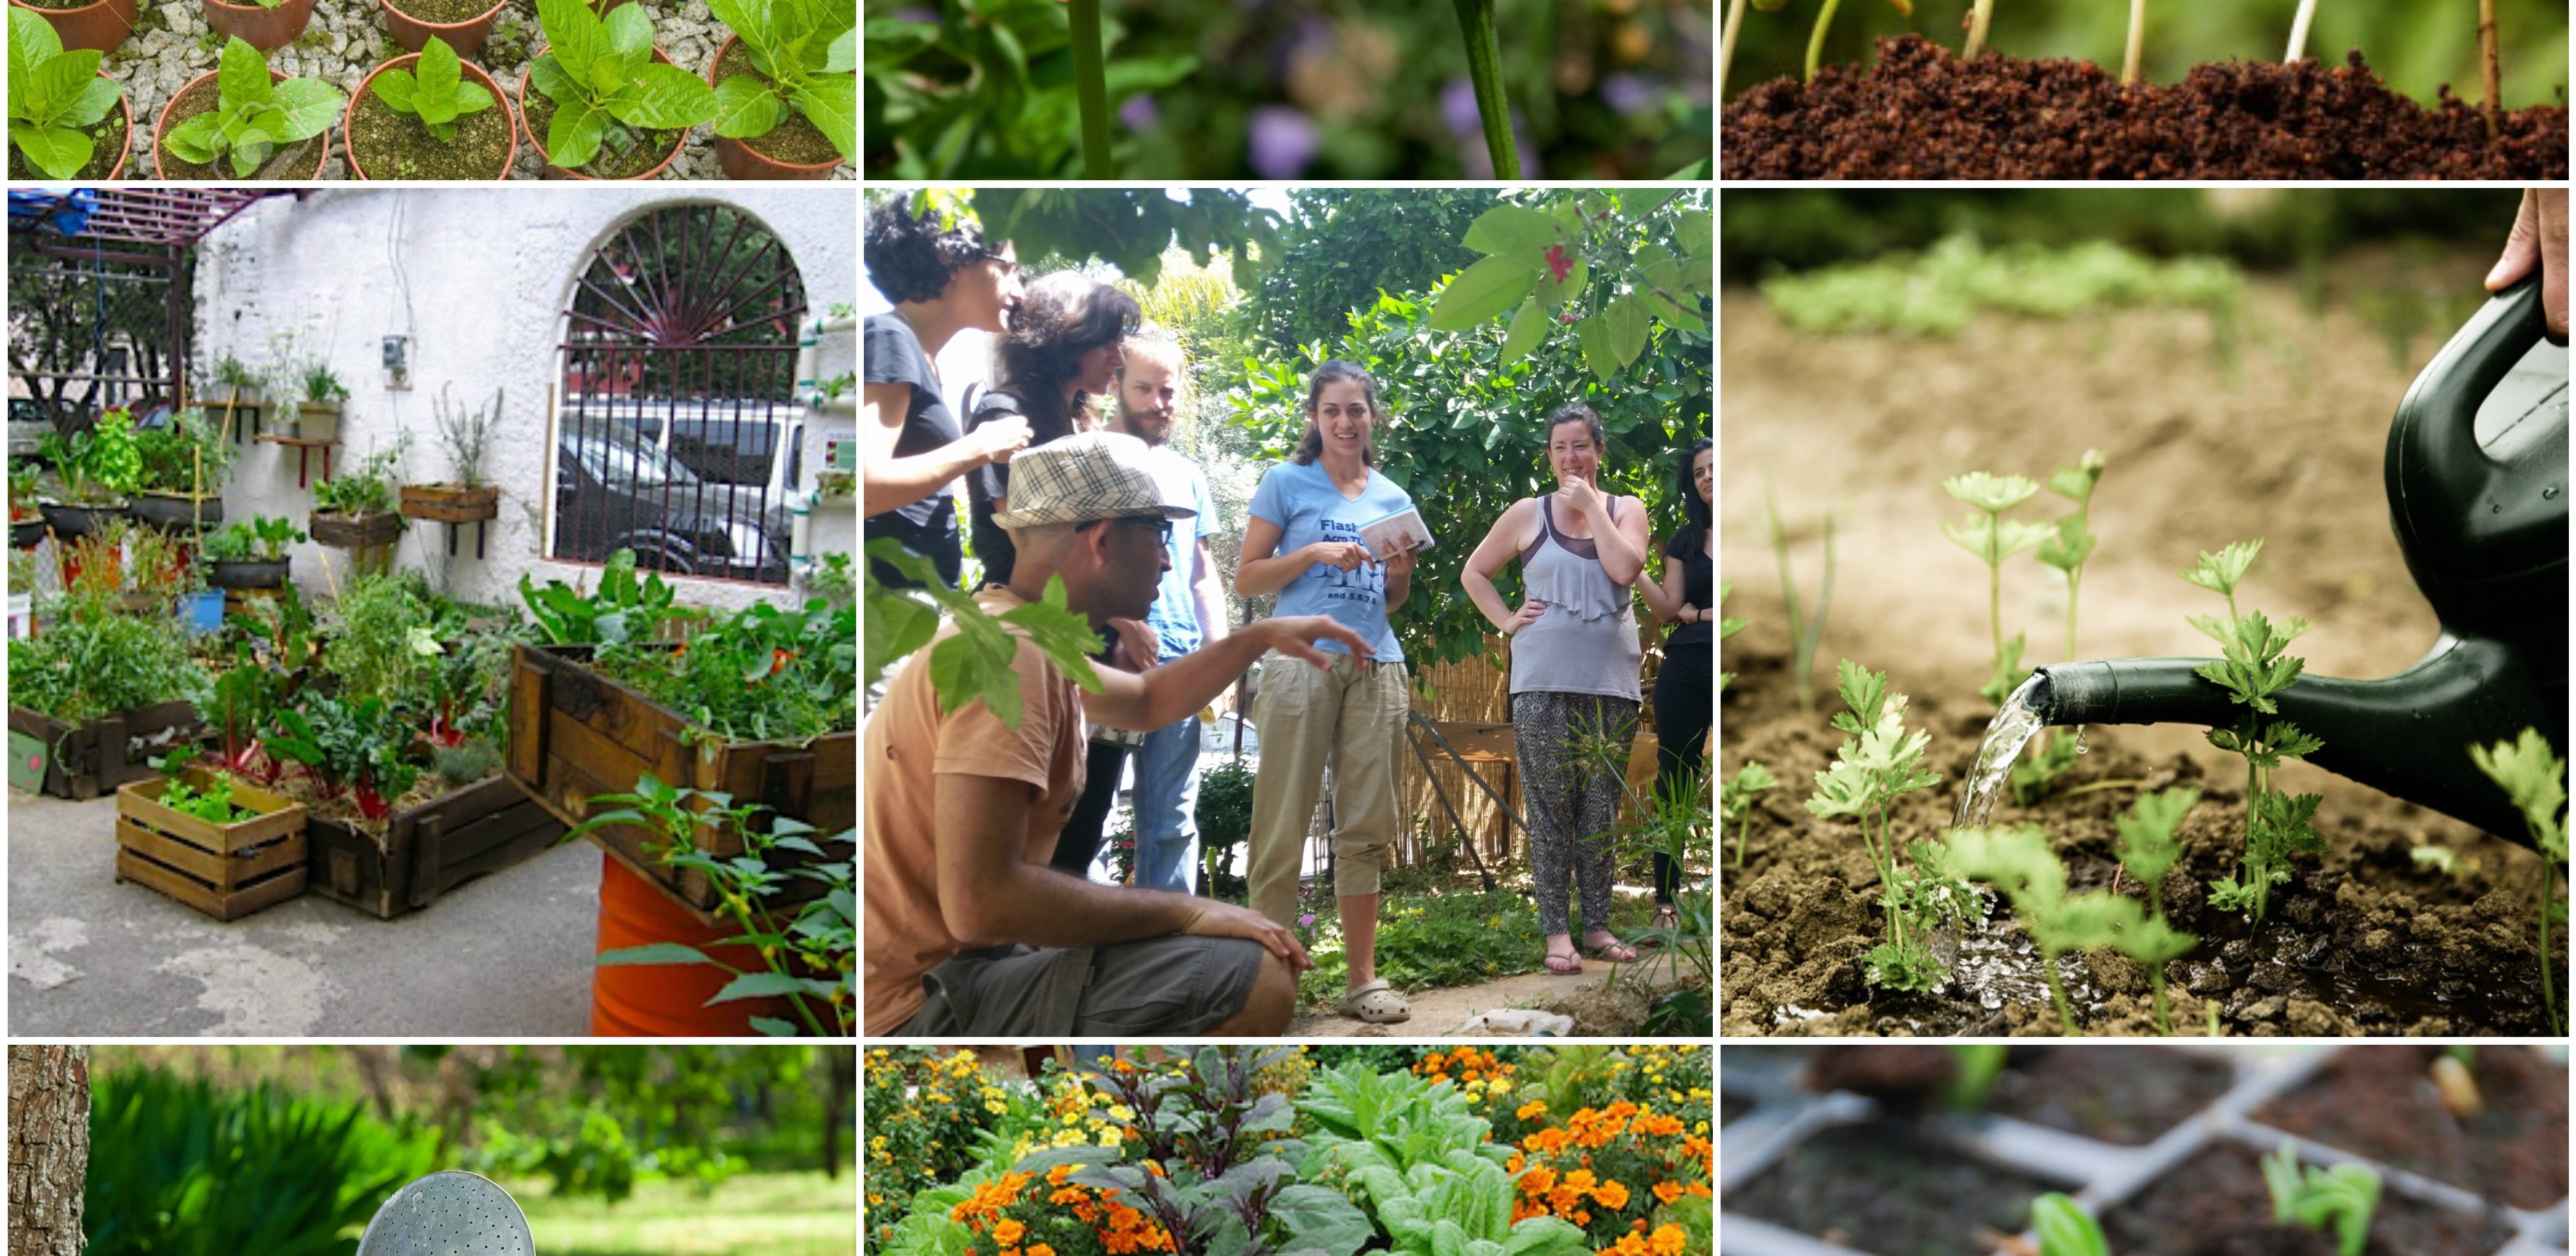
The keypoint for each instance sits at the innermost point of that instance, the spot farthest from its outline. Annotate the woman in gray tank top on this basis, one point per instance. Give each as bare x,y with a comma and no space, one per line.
1575,663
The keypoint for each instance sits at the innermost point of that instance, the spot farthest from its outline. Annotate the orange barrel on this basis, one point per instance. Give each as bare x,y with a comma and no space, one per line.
664,1000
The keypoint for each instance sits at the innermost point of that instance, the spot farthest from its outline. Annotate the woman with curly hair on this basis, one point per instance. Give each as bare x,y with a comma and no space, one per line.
942,280
1064,347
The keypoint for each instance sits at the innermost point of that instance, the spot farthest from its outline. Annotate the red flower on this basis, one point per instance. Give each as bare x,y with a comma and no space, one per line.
778,660
1558,264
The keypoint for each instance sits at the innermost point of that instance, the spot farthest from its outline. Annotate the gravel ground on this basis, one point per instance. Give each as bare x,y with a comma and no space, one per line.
171,45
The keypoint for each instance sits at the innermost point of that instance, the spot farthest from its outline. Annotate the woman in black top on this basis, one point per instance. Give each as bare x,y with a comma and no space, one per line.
1065,347
942,281
1686,688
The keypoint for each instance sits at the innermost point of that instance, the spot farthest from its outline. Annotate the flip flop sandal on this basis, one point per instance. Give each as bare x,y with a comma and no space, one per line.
1613,953
1377,1003
1567,965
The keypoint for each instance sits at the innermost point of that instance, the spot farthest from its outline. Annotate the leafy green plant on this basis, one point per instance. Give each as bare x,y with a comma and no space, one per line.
2148,850
1805,632
1627,263
974,664
212,804
1224,815
763,674
1395,1120
322,386
253,116
1880,761
354,749
2066,549
1984,532
95,662
2343,1196
1735,800
99,466
601,72
438,95
2536,780
2277,826
265,538
624,607
2019,862
2065,1229
184,455
53,96
1462,1208
367,488
1727,626
386,639
807,51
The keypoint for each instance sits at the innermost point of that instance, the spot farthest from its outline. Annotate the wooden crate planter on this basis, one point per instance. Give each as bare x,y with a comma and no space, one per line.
354,531
81,761
575,733
224,870
429,849
451,503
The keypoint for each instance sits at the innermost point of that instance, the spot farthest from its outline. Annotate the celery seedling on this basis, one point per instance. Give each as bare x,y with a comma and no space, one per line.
1735,801
1727,627
1878,761
2066,548
2020,863
1985,533
2277,826
2343,1196
2065,1229
2148,850
1804,632
2536,780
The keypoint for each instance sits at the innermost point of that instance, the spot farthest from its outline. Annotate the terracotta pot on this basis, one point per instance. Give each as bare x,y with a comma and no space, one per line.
553,171
265,29
101,26
161,125
500,100
742,161
465,37
664,1000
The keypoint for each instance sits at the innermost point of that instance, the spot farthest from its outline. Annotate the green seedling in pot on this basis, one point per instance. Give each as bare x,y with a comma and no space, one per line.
2536,780
253,116
2148,850
1805,631
54,97
2342,1197
2066,548
1985,533
600,73
2019,862
1727,627
1735,800
1878,762
2256,666
808,51
2065,1229
438,95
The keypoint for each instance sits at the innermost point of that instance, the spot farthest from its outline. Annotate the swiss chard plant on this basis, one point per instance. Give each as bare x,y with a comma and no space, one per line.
253,117
807,54
2341,1198
54,96
438,94
1984,532
2536,780
2257,666
354,749
1880,761
625,607
601,76
2020,863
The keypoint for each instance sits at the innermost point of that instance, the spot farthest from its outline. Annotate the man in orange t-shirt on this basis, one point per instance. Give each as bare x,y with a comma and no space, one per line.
969,932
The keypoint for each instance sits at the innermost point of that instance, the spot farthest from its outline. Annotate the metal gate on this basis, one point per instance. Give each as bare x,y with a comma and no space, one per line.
92,328
678,432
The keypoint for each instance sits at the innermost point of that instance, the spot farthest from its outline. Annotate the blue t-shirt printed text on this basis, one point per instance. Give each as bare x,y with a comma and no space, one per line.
1307,508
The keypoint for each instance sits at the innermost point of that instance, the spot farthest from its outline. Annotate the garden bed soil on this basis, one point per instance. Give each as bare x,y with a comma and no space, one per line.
1923,114
796,140
107,149
390,145
300,160
443,12
635,160
2217,1202
1870,1186
2382,1104
2129,1097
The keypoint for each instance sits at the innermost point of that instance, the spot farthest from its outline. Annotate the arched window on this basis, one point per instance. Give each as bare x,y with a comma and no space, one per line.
678,432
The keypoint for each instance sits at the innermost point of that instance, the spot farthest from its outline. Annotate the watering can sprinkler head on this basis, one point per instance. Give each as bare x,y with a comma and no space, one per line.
450,1213
2477,494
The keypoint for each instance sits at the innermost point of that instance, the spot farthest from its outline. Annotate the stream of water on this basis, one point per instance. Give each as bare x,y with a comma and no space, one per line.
2012,729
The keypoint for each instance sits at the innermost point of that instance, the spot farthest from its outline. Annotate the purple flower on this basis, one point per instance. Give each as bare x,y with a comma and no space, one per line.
1283,141
1306,921
1458,108
1628,93
1139,113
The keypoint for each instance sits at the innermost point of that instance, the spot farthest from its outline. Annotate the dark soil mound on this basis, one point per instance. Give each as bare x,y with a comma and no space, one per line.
1923,114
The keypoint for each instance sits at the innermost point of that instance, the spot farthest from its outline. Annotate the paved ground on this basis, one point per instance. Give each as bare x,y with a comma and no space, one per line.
507,955
1439,1013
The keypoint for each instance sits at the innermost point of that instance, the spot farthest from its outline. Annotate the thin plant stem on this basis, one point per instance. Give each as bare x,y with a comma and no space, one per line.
1994,575
1978,20
2298,49
1091,90
1740,827
1816,38
2156,973
2487,59
1485,70
2548,990
2057,991
1726,43
2129,72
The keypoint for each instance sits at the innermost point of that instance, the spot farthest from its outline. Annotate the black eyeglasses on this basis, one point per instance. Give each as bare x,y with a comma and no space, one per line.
1156,524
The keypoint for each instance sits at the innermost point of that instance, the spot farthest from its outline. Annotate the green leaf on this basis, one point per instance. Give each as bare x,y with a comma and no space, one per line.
630,35
98,98
305,108
241,75
1529,327
572,137
1991,493
746,107
654,953
1516,232
250,148
1629,323
194,139
59,152
1480,293
546,75
32,42
892,40
667,97
59,83
842,56
1593,333
1695,230
2221,572
440,73
831,103
574,35
760,986
397,89
472,98
2066,1229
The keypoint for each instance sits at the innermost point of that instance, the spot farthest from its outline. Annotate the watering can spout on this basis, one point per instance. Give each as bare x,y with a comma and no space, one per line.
2407,735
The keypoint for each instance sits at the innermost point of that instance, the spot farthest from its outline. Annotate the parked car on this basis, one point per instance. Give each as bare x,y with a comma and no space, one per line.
615,490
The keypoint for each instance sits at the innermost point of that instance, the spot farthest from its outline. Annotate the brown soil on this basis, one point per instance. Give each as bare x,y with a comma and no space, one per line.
299,160
445,12
1882,1187
795,141
2216,1202
296,785
2380,1102
390,145
107,143
1922,114
2129,1096
623,153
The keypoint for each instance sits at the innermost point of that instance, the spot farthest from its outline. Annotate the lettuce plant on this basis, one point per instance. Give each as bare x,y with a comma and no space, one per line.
1367,1119
808,50
2537,782
1462,1207
2343,1197
1985,533
1879,761
2256,666
53,96
438,95
599,72
253,116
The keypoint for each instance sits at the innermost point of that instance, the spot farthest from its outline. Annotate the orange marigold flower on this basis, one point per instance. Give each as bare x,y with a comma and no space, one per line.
1008,1233
1582,1218
1659,1125
1538,1181
1067,1195
1695,1188
1564,1200
1532,1110
1041,1249
1610,1195
1579,1180
1057,1175
1667,1192
1667,1241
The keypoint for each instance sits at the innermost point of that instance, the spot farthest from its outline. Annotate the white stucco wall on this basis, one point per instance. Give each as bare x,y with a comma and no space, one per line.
481,281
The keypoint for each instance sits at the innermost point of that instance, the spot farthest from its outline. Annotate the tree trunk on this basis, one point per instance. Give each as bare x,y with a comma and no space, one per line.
48,1149
844,1065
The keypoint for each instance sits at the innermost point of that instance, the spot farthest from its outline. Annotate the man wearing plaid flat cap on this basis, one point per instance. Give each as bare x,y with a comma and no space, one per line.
969,932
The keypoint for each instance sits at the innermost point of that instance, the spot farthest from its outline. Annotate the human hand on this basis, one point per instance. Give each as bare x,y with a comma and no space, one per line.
1688,614
1295,635
1399,563
998,439
1212,919
2539,239
1134,647
1580,494
1347,555
1528,614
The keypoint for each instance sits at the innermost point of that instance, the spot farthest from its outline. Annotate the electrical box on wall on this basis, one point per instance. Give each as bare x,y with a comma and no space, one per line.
840,451
397,361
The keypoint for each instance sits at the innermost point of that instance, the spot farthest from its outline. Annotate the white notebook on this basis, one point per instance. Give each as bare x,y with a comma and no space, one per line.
1383,535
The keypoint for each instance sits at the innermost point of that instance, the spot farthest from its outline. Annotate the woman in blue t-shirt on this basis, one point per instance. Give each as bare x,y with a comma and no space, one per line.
1303,543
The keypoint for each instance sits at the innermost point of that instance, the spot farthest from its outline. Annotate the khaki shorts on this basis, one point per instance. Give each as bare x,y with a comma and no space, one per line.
1177,984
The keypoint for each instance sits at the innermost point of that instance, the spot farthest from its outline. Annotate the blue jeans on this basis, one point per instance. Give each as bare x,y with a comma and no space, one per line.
1167,799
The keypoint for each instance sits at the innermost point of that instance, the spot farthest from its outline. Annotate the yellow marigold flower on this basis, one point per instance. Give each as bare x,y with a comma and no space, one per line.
995,1107
1108,1138
1121,1112
1501,1086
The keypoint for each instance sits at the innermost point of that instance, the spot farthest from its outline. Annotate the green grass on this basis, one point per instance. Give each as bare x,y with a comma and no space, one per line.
753,1214
1433,941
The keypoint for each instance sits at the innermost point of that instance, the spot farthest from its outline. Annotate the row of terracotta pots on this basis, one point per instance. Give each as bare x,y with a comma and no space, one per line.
103,24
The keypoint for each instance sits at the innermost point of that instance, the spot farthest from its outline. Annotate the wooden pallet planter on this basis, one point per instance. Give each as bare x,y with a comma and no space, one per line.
354,531
575,733
224,870
430,849
451,503
82,761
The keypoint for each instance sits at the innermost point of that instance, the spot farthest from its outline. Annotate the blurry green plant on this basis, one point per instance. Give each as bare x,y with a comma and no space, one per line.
2065,1229
974,663
1806,631
1937,292
2536,780
2343,1197
2148,850
1985,533
1735,800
